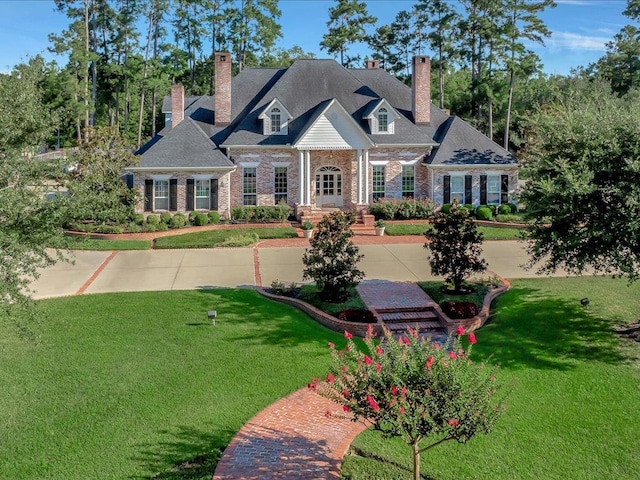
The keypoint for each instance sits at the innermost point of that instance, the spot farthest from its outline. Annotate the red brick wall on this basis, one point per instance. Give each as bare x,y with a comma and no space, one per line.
177,104
421,89
222,99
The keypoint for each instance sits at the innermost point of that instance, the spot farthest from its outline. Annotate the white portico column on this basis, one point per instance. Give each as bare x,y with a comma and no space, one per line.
308,175
301,176
359,175
366,177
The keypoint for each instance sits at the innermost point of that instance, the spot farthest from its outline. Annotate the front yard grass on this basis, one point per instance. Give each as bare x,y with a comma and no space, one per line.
140,385
84,243
574,408
490,233
215,238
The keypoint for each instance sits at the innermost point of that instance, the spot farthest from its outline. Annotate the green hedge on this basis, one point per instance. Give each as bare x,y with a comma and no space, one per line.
264,214
405,209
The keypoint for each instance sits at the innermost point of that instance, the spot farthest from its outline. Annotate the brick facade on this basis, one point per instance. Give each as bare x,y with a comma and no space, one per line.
438,191
222,98
421,89
223,190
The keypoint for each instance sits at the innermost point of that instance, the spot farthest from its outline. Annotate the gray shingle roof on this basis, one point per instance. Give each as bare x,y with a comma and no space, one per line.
303,88
461,144
184,146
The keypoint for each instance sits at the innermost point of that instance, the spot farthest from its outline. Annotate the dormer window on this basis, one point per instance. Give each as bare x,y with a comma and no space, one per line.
276,124
275,118
383,120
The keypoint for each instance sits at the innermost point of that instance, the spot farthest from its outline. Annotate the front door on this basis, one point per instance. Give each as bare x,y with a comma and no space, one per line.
329,187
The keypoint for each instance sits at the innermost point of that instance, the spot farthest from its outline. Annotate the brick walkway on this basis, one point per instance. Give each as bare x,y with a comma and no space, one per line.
386,295
293,439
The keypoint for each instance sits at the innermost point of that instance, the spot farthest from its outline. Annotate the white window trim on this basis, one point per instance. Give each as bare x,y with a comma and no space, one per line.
373,191
286,193
202,176
378,163
402,178
280,164
156,179
249,164
499,192
243,184
409,162
451,192
195,192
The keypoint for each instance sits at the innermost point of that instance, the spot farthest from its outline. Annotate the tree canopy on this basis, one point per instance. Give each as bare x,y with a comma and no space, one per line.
583,197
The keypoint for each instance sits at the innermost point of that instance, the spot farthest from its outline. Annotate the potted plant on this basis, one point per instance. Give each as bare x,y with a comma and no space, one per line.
307,229
379,226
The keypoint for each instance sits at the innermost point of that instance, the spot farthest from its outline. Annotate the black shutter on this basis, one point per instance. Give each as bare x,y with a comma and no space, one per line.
467,189
173,194
446,198
148,195
130,180
504,189
483,189
214,194
190,194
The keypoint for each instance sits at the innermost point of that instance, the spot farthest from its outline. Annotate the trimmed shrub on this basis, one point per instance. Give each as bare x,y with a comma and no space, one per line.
469,207
178,221
165,217
201,219
513,207
484,213
264,213
138,219
163,227
192,218
509,218
504,210
149,227
406,209
134,228
424,209
153,220
214,217
446,208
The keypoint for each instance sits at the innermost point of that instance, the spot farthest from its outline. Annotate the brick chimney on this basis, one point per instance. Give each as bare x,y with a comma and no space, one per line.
222,99
421,90
373,64
177,105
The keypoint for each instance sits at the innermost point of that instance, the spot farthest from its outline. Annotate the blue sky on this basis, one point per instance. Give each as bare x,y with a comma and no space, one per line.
580,28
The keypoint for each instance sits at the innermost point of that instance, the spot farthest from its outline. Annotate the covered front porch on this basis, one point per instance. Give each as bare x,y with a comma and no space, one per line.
332,180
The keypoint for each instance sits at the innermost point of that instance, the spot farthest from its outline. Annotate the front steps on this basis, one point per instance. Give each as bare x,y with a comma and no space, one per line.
398,320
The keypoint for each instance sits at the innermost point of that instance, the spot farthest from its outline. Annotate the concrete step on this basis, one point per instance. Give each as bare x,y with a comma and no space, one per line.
422,326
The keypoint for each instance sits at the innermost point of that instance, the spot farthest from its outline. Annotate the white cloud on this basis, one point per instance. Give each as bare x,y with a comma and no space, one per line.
574,41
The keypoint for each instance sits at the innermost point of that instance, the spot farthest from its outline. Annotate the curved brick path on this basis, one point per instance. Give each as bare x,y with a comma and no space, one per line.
293,439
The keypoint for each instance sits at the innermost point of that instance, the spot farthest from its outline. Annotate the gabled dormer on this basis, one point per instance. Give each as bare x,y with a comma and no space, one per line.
275,119
381,116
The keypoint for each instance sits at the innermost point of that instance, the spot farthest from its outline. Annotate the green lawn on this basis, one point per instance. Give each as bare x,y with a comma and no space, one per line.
83,243
215,238
490,233
574,408
139,385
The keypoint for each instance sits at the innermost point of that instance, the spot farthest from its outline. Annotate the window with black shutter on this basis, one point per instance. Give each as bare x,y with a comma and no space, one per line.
190,193
214,194
446,197
467,189
483,189
173,194
148,195
504,189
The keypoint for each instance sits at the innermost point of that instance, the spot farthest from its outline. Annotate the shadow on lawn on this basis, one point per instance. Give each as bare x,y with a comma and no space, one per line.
258,320
532,329
193,454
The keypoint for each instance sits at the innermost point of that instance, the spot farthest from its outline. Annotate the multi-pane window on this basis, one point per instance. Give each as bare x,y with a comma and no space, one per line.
383,120
249,191
408,181
161,194
203,194
457,188
493,189
276,124
280,185
378,182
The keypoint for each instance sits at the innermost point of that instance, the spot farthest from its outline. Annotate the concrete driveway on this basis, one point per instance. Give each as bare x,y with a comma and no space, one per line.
130,271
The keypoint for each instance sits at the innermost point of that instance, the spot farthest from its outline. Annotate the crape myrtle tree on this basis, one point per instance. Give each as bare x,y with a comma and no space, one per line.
332,259
455,246
415,388
583,195
28,223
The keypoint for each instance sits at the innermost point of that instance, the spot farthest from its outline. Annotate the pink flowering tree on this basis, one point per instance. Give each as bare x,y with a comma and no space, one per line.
414,388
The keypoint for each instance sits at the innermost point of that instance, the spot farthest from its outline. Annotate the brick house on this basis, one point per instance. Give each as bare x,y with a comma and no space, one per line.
316,136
